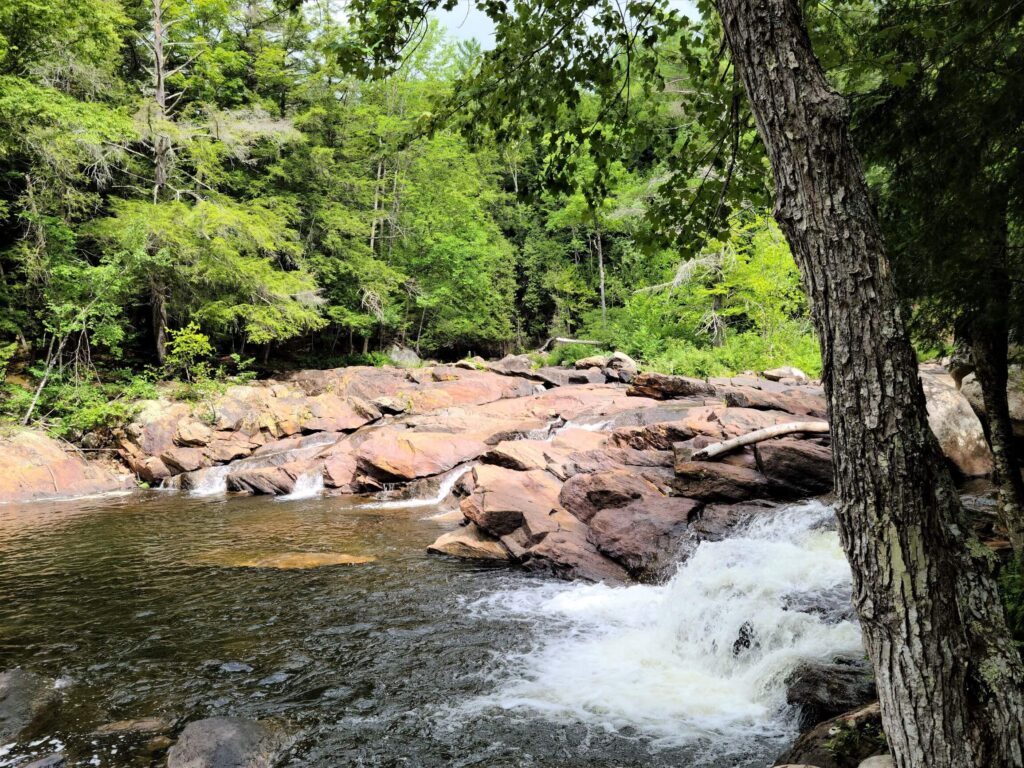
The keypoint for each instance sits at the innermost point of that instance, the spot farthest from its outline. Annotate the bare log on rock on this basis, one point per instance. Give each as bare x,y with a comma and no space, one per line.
757,436
562,340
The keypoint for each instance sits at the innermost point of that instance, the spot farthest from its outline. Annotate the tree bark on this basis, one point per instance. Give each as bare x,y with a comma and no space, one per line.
158,304
989,343
950,682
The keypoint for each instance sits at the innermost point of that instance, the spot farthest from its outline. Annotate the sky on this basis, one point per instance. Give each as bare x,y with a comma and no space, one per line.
465,21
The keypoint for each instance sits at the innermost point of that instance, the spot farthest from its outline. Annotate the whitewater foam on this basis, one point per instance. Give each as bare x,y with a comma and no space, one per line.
448,482
664,661
307,486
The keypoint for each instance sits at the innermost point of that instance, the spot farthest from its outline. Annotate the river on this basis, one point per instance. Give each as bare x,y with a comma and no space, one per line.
149,605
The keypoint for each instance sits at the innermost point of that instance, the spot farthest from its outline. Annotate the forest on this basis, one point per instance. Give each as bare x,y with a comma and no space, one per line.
200,195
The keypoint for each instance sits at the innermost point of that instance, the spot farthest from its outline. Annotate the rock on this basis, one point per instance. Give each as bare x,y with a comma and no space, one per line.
800,401
471,543
664,387
182,459
512,365
142,725
403,357
795,468
56,760
292,561
656,437
623,366
715,481
585,495
404,455
27,702
1014,397
330,413
561,377
193,434
842,742
34,466
825,689
227,742
956,426
878,761
594,361
644,535
568,554
273,481
716,521
503,499
786,372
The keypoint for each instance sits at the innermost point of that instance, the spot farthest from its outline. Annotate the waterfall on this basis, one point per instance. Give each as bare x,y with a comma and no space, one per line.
702,657
307,486
448,482
212,481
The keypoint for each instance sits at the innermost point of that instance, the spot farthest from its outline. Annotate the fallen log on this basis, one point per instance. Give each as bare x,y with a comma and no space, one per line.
758,435
562,340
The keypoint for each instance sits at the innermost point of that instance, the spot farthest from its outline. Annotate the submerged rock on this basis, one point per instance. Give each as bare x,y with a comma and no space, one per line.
142,725
227,742
27,702
295,560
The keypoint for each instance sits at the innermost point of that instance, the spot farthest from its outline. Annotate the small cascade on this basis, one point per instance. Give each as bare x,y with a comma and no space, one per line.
702,657
307,486
448,482
212,481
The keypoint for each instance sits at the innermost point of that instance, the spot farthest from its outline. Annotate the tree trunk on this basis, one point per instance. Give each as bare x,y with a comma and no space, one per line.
158,303
950,682
161,141
600,268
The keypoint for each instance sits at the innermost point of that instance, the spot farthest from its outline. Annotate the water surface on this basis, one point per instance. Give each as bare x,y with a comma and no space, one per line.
137,606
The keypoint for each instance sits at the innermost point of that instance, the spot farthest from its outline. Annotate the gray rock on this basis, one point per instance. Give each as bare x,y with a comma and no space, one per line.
622,366
227,742
825,689
403,357
878,761
56,760
27,701
512,365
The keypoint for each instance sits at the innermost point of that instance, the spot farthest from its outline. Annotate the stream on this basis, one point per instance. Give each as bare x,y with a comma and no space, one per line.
152,604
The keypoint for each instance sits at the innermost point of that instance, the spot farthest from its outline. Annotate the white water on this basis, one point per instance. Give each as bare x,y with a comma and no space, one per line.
660,660
212,481
307,486
448,482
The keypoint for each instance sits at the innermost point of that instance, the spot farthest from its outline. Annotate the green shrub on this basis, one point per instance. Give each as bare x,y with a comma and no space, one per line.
188,353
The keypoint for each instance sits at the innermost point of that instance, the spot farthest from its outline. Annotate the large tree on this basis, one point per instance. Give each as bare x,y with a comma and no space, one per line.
951,683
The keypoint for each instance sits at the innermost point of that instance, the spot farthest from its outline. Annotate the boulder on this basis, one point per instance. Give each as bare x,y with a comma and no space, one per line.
403,357
660,386
715,481
471,543
795,468
227,742
512,365
27,702
593,361
956,426
1014,397
825,689
786,372
561,377
655,437
645,535
878,761
180,459
842,742
193,434
622,366
403,455
330,413
585,495
504,500
716,521
800,401
568,554
34,466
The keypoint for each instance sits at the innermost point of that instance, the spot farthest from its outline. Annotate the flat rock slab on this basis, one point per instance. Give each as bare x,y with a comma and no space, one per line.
227,742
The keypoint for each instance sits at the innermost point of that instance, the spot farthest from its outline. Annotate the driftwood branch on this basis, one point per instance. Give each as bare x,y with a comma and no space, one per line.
562,340
758,435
